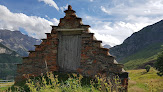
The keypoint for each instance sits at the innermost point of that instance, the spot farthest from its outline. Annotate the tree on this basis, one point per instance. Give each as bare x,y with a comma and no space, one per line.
147,67
159,63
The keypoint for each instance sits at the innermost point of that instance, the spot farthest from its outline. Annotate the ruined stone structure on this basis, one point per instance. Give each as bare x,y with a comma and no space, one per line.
70,47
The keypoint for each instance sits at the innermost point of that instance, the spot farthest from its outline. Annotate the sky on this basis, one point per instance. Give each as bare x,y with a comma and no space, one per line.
112,21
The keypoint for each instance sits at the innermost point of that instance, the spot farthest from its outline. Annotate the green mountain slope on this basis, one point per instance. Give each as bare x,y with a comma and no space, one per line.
140,48
146,56
8,61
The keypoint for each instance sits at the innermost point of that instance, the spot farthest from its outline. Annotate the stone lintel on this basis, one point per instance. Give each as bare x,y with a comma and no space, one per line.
47,33
97,41
70,32
18,64
31,51
79,18
75,18
111,56
53,26
87,34
87,26
43,39
91,33
36,45
25,57
106,49
84,34
75,29
71,11
120,65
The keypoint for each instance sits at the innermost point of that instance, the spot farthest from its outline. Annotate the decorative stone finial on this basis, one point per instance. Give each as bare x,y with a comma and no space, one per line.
70,12
69,7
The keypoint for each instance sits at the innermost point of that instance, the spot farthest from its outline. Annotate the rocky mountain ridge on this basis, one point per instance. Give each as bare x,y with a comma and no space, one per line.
18,42
141,44
5,50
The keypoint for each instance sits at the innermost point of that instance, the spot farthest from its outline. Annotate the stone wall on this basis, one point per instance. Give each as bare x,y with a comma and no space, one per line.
44,56
94,59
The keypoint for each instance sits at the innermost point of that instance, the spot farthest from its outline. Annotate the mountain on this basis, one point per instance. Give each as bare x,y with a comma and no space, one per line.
18,42
107,46
141,47
8,61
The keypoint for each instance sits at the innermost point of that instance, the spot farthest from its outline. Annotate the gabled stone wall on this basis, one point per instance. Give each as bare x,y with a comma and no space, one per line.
45,55
94,59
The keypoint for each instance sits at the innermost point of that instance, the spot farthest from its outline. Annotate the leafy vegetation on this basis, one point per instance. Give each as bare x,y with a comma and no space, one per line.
140,81
147,67
74,83
159,63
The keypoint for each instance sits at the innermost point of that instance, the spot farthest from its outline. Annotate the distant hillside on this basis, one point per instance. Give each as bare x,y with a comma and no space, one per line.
8,61
107,46
141,47
17,41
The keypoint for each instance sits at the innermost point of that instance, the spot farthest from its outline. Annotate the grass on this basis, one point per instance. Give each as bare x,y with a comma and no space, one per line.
5,86
142,81
74,83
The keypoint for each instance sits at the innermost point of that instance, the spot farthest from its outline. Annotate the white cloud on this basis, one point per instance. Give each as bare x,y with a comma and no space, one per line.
50,3
104,10
35,26
91,0
114,33
105,38
55,21
64,7
124,18
148,8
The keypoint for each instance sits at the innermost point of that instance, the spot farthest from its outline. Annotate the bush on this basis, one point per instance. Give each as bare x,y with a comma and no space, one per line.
159,63
51,83
147,67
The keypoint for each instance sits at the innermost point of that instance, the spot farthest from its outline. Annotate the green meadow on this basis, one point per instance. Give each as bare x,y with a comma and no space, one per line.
139,81
142,81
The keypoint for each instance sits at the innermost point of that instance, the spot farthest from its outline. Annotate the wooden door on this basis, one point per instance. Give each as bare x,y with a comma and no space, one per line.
69,52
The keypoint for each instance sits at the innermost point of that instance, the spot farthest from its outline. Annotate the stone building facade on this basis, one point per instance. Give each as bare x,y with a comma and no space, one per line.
70,47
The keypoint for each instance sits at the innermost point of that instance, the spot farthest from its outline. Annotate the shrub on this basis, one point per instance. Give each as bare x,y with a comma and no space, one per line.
159,63
147,67
51,83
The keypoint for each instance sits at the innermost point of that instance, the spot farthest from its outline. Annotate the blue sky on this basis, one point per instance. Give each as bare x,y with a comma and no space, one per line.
112,21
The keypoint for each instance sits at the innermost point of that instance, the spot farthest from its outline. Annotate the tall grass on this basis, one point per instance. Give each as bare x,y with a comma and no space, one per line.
140,81
74,83
143,81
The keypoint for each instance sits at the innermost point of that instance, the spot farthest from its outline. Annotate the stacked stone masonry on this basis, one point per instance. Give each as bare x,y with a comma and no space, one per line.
94,59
